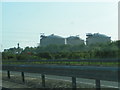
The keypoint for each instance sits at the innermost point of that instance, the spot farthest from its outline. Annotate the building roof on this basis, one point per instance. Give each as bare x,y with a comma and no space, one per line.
74,37
54,36
96,34
102,35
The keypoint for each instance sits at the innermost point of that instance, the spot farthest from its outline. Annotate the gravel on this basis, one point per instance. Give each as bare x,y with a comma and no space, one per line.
49,83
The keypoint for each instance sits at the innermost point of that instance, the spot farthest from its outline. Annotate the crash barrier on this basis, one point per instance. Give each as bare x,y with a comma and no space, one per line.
66,60
89,72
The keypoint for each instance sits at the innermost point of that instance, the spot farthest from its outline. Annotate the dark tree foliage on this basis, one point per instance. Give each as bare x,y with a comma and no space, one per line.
108,50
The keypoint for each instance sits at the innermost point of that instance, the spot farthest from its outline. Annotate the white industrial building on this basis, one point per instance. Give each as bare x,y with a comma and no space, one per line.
51,40
74,40
97,38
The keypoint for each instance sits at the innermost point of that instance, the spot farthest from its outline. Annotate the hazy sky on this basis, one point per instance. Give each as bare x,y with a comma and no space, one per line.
22,22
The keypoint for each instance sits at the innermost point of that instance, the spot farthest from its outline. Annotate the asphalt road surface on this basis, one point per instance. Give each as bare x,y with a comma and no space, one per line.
106,84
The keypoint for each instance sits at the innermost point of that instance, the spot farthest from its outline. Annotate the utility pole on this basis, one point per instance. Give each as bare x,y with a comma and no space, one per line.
18,48
18,45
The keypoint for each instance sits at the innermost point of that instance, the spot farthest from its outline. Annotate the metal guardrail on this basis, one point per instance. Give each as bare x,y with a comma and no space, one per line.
69,60
89,72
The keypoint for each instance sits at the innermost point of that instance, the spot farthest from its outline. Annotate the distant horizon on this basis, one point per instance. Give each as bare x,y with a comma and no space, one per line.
54,34
22,22
57,35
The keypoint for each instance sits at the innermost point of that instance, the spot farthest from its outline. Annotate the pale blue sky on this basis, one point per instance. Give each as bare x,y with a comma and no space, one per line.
0,27
24,21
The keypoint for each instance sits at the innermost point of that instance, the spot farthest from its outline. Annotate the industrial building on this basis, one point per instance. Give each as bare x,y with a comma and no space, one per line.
97,38
51,40
74,40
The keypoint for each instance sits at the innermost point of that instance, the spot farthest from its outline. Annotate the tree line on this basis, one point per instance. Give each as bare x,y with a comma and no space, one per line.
95,51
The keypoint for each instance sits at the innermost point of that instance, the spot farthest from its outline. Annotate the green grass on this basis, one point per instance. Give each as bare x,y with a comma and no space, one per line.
69,63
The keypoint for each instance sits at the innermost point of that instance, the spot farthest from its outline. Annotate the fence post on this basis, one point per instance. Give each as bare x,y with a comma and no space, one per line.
74,83
43,80
23,78
98,85
8,74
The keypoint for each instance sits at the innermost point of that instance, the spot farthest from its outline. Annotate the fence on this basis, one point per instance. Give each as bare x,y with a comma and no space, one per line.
69,60
89,72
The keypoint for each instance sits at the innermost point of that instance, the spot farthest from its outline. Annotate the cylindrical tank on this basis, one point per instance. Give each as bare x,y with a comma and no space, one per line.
52,40
74,40
97,38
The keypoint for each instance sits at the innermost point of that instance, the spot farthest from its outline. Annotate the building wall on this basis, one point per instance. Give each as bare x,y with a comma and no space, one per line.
74,41
52,41
97,39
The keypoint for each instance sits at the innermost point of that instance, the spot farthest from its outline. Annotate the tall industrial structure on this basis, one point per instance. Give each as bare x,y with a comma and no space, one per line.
74,40
97,38
51,40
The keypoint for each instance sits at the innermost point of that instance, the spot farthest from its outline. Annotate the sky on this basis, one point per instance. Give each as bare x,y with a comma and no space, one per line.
22,22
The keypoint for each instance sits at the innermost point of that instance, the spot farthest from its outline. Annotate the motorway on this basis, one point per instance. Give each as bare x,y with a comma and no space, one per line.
108,84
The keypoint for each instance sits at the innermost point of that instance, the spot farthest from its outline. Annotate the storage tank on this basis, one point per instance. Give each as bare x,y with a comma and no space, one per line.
97,38
74,40
51,40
